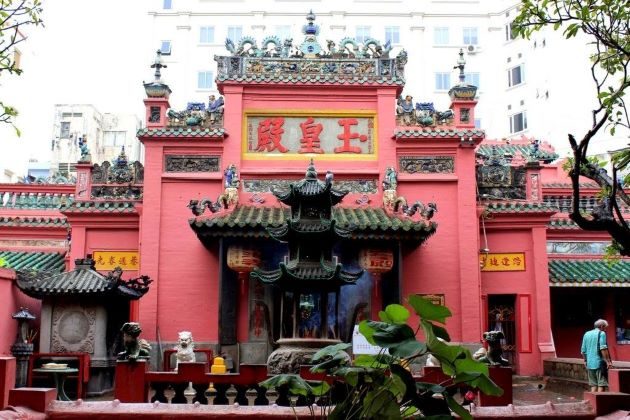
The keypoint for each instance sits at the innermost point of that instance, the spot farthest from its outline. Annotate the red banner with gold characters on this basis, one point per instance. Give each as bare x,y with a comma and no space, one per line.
514,261
345,135
108,260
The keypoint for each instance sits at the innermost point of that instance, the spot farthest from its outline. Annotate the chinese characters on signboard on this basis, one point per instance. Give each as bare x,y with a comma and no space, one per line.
322,135
108,260
434,299
503,262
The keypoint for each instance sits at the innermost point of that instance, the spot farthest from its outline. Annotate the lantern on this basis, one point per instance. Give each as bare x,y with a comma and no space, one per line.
376,262
243,261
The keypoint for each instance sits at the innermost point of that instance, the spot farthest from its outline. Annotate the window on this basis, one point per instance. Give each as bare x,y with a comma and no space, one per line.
509,32
472,79
165,47
363,33
440,36
518,122
167,4
235,33
442,81
392,34
114,138
283,32
205,80
516,76
477,122
206,34
64,133
470,36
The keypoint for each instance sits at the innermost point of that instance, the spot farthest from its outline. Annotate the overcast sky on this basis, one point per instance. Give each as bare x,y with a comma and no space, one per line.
89,52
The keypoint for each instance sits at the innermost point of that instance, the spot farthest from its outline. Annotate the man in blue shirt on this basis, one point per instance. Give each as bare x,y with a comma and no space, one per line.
595,351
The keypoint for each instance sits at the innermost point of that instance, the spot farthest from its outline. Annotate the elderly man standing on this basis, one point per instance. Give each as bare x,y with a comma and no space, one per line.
596,356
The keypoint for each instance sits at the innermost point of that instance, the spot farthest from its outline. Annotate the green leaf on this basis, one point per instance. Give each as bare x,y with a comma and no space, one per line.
396,385
319,388
339,359
457,408
380,403
388,335
330,351
367,360
427,310
295,384
367,331
397,313
382,315
408,348
433,388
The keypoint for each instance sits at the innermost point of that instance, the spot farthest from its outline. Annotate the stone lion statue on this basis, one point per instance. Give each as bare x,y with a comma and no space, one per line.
135,349
494,355
185,348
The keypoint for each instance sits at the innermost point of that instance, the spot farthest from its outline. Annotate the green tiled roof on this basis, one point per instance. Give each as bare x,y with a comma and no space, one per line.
288,79
545,154
40,261
589,273
562,224
83,280
182,132
37,201
568,185
26,221
100,206
519,207
400,133
369,223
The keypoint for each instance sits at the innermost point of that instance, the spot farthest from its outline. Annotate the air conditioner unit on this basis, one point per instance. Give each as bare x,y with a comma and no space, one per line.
473,49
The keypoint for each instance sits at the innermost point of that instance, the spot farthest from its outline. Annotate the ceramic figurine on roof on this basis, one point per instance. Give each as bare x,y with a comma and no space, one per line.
405,113
215,108
85,152
462,90
157,88
310,48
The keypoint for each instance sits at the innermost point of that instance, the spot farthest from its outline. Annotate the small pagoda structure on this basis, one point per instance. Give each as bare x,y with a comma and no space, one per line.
310,278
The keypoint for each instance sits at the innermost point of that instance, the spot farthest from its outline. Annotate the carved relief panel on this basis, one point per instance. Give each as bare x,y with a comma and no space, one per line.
73,328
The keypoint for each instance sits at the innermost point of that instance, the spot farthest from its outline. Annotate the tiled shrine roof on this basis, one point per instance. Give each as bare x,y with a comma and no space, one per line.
26,221
569,186
100,206
83,281
437,132
562,224
545,153
288,79
48,261
589,273
369,223
181,132
519,207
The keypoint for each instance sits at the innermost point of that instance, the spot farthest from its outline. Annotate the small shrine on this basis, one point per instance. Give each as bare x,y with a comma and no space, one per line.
82,312
310,281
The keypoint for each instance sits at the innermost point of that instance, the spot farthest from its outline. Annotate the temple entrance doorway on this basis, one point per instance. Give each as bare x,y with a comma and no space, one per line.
502,317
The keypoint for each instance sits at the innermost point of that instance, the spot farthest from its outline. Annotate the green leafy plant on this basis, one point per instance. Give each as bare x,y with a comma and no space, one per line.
381,386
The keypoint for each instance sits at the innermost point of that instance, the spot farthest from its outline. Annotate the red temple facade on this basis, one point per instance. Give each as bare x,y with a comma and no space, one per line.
479,225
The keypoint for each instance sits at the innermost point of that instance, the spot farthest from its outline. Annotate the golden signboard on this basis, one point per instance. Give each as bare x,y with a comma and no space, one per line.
514,261
108,260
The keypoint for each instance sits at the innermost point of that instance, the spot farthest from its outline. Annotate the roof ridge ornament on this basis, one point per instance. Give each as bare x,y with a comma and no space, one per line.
157,88
462,90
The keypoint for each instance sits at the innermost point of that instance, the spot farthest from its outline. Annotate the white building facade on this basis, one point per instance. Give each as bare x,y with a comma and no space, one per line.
106,135
540,88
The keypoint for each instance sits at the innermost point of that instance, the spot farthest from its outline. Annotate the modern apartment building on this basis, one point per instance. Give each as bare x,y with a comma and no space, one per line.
539,88
106,134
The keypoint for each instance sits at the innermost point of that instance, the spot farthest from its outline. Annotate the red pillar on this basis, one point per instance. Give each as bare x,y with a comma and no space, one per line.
130,383
7,378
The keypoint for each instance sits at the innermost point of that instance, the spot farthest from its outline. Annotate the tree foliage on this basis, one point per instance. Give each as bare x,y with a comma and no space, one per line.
15,16
606,25
380,386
